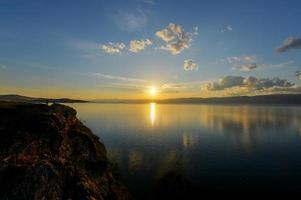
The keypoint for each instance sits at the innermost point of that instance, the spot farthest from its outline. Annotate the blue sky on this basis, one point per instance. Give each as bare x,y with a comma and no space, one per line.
119,49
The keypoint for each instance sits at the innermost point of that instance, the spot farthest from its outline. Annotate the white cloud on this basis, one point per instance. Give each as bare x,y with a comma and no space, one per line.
236,59
189,65
243,63
139,45
175,38
233,59
195,30
165,34
113,48
250,58
227,29
248,67
290,43
250,83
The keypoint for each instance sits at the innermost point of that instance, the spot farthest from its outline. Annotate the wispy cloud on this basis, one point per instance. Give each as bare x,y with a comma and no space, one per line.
124,82
290,43
119,78
149,2
243,63
277,65
227,29
189,65
176,38
88,49
113,48
128,86
139,45
173,86
133,20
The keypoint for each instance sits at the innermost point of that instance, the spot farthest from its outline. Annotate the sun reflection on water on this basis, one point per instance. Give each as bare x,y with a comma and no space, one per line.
152,115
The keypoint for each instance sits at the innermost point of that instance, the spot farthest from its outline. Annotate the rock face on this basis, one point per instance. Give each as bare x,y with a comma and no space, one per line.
47,153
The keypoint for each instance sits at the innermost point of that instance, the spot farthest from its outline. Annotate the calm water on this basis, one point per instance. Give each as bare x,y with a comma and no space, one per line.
208,145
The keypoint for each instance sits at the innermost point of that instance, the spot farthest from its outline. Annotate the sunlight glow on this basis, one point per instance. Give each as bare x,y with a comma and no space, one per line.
153,91
152,115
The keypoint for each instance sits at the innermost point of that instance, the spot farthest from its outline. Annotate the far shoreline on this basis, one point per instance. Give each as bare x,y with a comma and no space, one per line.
275,99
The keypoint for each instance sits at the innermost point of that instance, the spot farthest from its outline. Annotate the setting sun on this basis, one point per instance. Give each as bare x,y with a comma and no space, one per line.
153,91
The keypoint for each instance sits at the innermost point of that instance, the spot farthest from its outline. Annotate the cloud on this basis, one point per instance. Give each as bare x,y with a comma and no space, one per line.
233,59
131,21
88,49
139,45
278,65
227,29
119,78
113,48
290,43
149,2
135,46
173,86
248,67
250,58
189,65
283,90
195,31
175,38
298,74
128,86
3,66
166,35
226,82
241,59
250,83
243,63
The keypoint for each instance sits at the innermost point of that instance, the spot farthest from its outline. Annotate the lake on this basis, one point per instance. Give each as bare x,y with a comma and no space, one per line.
219,147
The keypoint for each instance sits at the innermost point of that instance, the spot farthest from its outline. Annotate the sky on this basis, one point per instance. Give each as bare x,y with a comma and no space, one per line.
101,49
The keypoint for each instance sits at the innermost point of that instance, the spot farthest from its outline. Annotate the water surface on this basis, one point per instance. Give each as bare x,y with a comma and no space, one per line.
217,146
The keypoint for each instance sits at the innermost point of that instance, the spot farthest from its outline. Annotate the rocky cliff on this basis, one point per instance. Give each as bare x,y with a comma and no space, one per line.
47,153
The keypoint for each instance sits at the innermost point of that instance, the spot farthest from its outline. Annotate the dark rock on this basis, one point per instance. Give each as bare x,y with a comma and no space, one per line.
47,153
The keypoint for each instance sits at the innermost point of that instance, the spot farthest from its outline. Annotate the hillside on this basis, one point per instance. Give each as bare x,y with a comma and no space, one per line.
19,98
47,153
293,99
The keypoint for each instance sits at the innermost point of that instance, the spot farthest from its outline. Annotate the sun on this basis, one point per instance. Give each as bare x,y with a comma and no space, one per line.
153,91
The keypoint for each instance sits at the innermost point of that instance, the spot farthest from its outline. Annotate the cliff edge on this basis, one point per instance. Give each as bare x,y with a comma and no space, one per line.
47,153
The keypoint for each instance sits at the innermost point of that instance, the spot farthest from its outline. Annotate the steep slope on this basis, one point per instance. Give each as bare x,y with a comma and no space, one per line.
47,153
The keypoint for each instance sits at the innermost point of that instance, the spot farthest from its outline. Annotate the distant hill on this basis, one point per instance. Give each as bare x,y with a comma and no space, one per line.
260,99
25,99
294,99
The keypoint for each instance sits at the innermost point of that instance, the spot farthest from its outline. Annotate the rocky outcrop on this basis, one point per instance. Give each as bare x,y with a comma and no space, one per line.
47,153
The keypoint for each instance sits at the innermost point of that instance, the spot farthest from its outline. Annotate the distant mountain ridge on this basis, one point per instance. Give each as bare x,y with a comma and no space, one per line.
294,99
260,99
20,98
